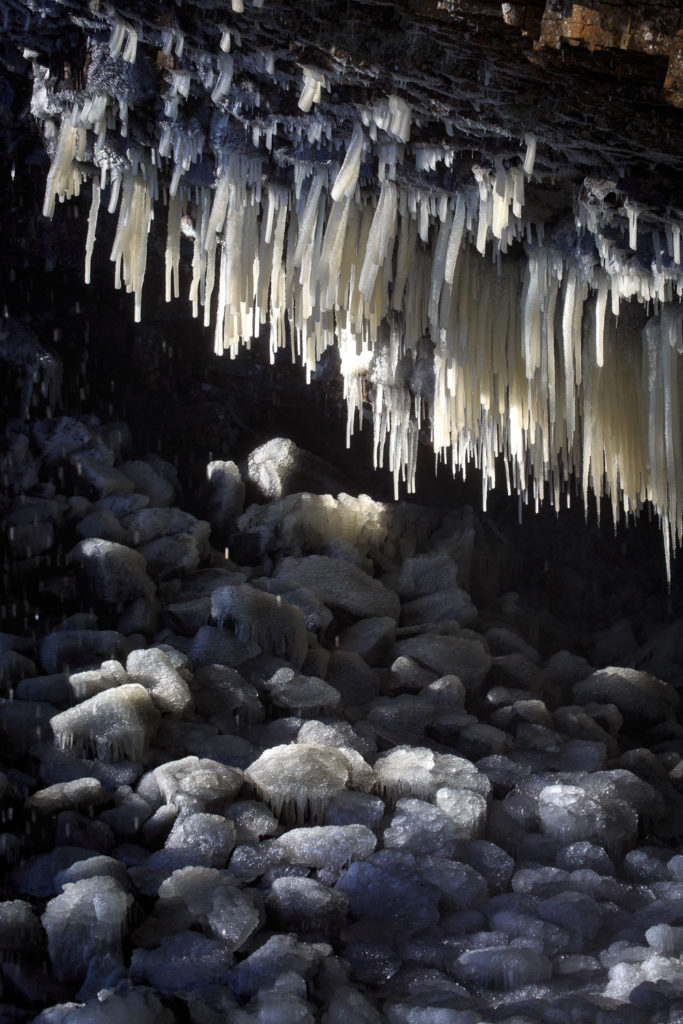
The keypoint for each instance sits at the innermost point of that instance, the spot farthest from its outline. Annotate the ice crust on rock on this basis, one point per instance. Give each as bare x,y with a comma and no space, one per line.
300,694
116,573
640,697
297,781
198,784
277,626
303,904
115,724
421,773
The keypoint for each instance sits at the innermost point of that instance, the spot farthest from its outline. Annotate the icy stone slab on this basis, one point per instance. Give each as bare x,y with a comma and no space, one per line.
184,960
419,772
420,828
301,695
297,781
302,904
177,553
117,574
407,675
426,574
90,682
22,724
453,605
79,794
372,638
327,848
214,646
209,898
463,656
88,919
153,669
195,840
148,524
275,625
503,968
198,784
66,649
491,862
389,887
114,725
278,954
342,585
642,698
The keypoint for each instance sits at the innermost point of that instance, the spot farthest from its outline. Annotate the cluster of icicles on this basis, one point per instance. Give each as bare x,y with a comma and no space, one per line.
522,356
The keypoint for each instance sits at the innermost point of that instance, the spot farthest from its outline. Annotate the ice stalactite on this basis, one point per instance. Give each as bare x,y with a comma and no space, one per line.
533,331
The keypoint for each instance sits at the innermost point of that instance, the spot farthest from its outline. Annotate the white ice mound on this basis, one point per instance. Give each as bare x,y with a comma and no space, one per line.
342,585
275,625
297,781
114,725
327,848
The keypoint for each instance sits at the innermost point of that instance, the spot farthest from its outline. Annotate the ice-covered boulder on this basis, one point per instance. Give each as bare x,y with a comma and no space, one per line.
388,886
326,848
215,646
117,574
183,960
502,967
420,828
115,724
90,682
153,669
198,784
275,625
342,585
87,920
111,1007
80,794
371,638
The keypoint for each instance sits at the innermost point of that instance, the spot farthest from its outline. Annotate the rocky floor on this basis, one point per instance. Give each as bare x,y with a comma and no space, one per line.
276,765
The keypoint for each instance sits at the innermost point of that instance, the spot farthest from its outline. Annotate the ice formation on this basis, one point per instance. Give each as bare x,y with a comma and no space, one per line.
453,313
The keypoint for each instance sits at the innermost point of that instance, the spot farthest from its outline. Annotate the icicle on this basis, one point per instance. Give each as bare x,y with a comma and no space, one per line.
311,92
92,227
345,183
530,155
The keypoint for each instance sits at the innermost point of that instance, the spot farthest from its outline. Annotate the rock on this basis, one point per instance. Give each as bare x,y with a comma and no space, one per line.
226,491
280,467
371,638
214,646
102,524
341,585
278,954
453,604
116,573
302,904
198,784
275,625
424,575
148,481
463,656
299,694
640,697
22,724
80,794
